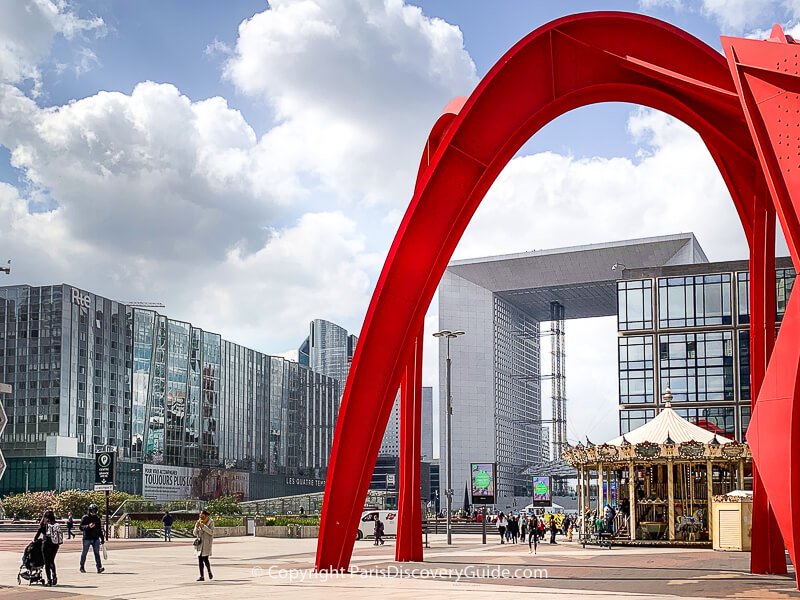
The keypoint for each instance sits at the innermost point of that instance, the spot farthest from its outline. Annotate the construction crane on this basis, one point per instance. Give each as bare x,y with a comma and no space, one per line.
143,304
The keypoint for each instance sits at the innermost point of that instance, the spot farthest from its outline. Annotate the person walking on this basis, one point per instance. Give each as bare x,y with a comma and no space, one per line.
566,525
553,529
167,520
501,527
533,534
93,537
513,525
523,527
70,525
50,530
379,528
204,533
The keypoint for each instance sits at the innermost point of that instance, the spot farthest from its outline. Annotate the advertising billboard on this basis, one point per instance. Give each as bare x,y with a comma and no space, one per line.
542,492
162,483
483,477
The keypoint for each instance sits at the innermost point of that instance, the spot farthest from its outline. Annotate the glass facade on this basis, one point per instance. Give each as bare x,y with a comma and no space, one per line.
88,372
518,404
694,301
695,347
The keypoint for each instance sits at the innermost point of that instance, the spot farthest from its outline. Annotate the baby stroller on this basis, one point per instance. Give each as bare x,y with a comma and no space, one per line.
32,563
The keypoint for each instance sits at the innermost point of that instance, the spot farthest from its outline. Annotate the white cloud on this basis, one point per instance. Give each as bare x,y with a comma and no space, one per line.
355,87
152,195
27,30
152,172
314,269
558,200
736,16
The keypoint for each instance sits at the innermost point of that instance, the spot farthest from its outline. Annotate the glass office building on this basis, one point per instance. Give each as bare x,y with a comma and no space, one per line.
688,328
89,372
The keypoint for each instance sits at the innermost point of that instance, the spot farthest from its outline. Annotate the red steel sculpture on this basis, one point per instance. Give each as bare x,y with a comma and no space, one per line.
747,111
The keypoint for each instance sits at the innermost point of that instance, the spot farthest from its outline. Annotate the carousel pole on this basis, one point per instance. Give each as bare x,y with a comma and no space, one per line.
600,495
670,501
632,497
740,475
709,494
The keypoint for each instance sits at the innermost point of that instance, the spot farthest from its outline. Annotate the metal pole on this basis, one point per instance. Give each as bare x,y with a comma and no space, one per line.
107,528
449,490
483,524
27,474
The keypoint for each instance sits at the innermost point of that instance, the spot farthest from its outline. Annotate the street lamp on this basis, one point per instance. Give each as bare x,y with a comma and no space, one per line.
27,464
449,335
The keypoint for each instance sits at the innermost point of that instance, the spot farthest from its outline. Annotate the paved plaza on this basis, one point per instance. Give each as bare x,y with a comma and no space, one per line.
281,568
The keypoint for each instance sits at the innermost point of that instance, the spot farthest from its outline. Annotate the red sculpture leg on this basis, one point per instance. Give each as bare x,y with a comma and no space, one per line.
774,430
767,78
409,527
571,62
767,549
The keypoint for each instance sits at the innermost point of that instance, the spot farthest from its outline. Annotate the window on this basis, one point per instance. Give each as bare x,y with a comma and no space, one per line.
636,369
694,301
744,364
717,420
784,282
743,297
635,304
697,366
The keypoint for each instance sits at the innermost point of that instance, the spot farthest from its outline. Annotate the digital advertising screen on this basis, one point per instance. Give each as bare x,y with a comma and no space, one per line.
484,480
542,492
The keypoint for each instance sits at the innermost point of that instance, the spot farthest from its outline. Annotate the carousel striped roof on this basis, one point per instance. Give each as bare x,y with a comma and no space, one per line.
669,425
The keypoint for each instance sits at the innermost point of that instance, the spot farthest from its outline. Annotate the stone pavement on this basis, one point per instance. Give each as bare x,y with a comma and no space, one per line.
282,568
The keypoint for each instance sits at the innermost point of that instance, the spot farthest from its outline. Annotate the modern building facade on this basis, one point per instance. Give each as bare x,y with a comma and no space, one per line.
89,373
513,309
688,328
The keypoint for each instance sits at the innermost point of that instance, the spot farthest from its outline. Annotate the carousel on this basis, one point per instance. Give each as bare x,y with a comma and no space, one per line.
660,479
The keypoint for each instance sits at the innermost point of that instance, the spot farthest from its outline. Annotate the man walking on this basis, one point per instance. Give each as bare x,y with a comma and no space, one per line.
70,526
93,536
167,520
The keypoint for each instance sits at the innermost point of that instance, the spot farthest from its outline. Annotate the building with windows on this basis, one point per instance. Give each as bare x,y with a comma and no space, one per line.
688,328
683,322
514,310
89,373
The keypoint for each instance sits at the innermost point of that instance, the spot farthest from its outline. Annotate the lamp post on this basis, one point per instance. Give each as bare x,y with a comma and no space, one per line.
449,335
27,464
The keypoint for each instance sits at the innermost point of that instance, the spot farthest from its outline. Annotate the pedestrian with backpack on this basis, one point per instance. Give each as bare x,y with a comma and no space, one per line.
50,530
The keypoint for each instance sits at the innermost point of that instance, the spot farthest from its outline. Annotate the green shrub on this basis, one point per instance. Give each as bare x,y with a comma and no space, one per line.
77,502
224,505
30,505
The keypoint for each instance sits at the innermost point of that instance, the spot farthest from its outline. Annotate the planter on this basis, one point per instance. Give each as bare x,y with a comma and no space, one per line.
126,532
220,532
288,531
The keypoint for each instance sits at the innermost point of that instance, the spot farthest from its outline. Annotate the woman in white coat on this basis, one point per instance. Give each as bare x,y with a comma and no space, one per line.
204,532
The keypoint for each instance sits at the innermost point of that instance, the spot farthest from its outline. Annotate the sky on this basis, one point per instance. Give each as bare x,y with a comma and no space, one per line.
247,164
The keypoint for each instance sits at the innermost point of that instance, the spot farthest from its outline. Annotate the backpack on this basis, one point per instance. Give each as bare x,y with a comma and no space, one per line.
54,531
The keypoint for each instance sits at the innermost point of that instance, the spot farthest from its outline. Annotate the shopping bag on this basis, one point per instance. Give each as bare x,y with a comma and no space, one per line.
105,552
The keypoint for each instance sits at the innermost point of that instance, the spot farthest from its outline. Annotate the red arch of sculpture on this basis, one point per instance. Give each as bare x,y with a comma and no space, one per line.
566,64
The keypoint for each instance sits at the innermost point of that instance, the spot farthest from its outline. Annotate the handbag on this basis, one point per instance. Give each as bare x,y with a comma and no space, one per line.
197,543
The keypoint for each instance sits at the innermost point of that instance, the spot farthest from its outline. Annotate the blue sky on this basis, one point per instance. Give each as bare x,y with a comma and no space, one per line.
248,164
